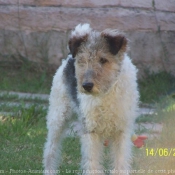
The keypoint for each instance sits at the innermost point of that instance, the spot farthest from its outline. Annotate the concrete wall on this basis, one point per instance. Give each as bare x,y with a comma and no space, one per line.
39,29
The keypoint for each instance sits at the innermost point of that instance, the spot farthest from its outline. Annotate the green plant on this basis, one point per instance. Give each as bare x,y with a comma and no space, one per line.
21,121
154,86
25,79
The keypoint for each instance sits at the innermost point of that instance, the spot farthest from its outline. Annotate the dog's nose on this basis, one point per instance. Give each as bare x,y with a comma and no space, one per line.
88,86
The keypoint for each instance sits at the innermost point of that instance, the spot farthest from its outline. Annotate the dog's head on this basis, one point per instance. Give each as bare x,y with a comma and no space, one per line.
98,57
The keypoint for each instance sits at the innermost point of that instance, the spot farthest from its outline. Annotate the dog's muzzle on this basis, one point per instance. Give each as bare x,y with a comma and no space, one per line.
88,86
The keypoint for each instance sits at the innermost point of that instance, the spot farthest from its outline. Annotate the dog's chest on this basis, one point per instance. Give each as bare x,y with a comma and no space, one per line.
102,117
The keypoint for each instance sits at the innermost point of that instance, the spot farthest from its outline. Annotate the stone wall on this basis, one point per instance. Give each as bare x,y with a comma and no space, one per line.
39,29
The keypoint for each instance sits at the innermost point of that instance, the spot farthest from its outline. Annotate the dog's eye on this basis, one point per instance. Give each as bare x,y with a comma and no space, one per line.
103,60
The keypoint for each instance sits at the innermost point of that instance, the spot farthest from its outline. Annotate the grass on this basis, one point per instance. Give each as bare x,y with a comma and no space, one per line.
155,86
22,137
28,77
158,157
147,118
25,79
11,102
23,133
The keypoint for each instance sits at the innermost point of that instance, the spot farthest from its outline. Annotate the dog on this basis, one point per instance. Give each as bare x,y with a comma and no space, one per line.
98,82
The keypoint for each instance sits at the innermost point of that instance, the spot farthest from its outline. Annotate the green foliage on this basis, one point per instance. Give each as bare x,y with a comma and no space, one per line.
23,133
22,138
21,121
153,87
70,155
25,78
146,118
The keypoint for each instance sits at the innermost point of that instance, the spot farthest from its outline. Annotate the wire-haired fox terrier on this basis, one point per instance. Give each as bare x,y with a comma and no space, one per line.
98,82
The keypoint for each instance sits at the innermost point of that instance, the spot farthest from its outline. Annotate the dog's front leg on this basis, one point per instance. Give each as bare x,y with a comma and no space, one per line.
91,149
121,153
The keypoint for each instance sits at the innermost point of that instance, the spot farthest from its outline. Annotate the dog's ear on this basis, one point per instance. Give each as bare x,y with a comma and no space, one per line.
75,43
116,41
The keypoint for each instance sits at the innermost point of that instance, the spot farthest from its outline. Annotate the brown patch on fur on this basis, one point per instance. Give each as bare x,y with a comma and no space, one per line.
75,43
116,43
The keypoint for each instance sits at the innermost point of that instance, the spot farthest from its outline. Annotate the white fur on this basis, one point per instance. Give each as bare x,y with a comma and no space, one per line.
81,30
109,116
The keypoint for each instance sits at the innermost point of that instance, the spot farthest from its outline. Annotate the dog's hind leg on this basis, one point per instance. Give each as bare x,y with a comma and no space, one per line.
59,111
